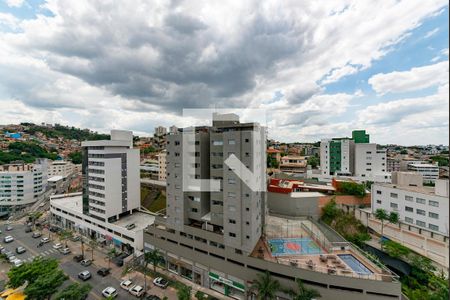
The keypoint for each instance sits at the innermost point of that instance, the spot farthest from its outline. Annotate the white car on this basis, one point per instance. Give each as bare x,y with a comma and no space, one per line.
8,239
109,292
45,240
161,282
17,263
57,246
137,291
12,258
126,284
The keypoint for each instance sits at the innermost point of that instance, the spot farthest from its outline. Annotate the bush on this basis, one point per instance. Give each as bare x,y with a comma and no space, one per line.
395,249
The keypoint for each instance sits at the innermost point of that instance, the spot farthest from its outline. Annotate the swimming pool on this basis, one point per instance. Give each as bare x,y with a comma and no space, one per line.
293,246
355,264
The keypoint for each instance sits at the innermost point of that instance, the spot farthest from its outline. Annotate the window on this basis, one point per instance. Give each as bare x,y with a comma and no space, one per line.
231,142
433,215
433,203
379,201
231,221
247,140
420,223
394,205
420,212
231,181
420,200
247,237
394,195
217,143
409,198
379,192
231,195
409,220
231,208
433,227
410,209
194,210
232,234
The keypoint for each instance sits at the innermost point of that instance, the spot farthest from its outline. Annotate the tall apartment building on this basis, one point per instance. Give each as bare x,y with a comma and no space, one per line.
355,157
235,211
428,171
60,168
160,131
416,204
173,129
393,165
108,197
22,184
162,165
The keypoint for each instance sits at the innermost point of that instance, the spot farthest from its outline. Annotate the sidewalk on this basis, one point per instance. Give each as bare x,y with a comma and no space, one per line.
101,260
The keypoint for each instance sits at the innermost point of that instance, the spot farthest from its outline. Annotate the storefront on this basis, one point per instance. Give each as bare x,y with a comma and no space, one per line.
230,288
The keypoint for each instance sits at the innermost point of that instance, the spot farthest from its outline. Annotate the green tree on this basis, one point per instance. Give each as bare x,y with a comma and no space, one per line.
313,161
200,295
43,277
64,236
404,151
93,244
383,216
152,257
184,293
303,292
265,286
110,255
75,291
76,157
329,211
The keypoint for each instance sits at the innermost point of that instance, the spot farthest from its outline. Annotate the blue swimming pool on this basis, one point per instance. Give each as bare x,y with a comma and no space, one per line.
355,264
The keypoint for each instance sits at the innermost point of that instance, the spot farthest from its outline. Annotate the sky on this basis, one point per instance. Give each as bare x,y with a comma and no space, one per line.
317,69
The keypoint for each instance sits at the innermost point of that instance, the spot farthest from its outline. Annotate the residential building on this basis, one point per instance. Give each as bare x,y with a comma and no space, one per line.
61,168
416,204
353,157
22,184
160,131
162,165
109,207
293,164
173,129
429,172
393,165
216,239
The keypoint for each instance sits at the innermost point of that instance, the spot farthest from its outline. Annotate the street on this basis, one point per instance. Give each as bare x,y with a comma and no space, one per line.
72,268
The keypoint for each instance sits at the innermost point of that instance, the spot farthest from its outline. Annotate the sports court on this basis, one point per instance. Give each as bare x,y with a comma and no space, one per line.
293,246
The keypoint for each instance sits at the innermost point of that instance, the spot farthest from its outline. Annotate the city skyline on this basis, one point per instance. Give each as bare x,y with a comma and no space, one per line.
294,61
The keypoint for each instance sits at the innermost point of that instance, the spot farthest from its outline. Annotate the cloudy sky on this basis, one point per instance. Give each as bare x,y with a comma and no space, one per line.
319,70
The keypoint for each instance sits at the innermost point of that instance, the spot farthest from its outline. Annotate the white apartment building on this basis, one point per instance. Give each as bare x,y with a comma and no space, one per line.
425,207
371,163
109,207
162,165
22,184
429,172
336,157
61,168
160,131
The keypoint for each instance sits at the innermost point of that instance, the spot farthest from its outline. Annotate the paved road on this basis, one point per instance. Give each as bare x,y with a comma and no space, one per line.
70,267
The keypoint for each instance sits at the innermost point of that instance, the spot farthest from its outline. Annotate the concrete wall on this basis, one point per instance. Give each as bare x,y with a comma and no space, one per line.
285,204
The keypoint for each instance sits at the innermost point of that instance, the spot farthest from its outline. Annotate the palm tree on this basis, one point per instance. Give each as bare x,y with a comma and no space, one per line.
150,257
64,235
93,244
184,293
265,286
303,293
111,253
383,216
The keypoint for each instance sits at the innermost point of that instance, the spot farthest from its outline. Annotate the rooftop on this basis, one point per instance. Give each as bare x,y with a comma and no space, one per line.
422,189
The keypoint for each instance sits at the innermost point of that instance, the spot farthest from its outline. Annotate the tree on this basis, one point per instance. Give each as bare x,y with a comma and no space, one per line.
383,216
75,291
265,286
153,258
329,211
43,277
184,293
76,157
93,244
64,236
111,253
404,151
313,161
200,295
303,292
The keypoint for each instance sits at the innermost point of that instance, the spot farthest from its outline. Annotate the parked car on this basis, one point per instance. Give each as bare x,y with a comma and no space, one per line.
75,238
8,254
0,231
57,246
45,240
78,258
161,282
64,251
8,239
86,262
28,229
9,228
126,284
137,291
117,261
109,292
152,297
12,258
17,263
20,250
103,272
3,250
130,226
36,234
85,275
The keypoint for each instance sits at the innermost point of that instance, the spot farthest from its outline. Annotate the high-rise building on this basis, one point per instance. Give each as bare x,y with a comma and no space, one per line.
162,165
160,131
354,157
173,129
108,197
235,211
21,184
61,168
